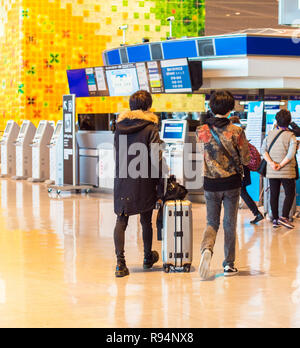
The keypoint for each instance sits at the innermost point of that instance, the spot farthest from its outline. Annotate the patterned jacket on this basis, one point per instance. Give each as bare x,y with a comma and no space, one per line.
220,174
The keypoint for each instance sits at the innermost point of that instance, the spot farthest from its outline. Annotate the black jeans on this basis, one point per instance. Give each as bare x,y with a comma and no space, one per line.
119,234
289,186
249,201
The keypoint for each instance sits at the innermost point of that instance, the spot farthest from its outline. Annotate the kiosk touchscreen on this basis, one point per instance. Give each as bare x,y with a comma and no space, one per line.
57,156
40,152
174,134
24,151
8,150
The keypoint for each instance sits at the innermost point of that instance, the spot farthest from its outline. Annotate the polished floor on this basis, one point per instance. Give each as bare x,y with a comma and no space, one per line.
57,270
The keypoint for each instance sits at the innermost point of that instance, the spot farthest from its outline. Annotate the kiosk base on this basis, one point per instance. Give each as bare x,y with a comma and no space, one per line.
35,180
49,182
20,178
70,188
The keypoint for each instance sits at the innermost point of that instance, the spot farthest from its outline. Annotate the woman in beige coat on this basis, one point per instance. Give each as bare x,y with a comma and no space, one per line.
281,168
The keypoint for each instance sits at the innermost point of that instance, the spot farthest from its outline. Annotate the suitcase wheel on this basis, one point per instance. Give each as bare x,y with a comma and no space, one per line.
167,268
187,268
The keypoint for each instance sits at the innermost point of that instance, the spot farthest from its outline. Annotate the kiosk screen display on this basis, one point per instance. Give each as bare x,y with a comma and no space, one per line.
23,128
58,129
40,129
174,131
7,129
122,80
78,83
176,76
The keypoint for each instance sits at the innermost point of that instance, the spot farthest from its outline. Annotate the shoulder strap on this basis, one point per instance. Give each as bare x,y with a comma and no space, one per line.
224,150
275,139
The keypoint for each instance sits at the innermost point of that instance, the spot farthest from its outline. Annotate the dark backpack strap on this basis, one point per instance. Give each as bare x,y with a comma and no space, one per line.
224,150
275,139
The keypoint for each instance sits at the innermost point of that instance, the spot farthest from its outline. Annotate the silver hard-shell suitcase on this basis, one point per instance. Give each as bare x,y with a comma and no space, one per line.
177,246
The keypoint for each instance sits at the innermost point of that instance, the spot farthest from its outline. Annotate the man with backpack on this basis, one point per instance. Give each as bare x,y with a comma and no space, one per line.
226,151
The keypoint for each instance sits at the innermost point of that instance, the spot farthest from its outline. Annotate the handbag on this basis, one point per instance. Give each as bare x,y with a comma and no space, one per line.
174,192
262,170
255,158
297,169
238,169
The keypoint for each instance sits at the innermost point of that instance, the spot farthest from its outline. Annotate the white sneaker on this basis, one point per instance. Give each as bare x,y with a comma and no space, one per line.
204,267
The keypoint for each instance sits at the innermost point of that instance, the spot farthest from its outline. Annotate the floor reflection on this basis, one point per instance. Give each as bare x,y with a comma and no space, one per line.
57,270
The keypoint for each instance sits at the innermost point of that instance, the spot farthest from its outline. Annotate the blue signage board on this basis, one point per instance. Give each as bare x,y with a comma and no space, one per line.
176,76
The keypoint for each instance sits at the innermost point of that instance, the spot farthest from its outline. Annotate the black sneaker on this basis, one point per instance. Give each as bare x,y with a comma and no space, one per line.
257,219
286,223
230,271
121,270
149,262
276,224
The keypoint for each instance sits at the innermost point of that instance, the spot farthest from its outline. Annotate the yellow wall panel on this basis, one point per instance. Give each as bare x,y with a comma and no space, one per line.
40,40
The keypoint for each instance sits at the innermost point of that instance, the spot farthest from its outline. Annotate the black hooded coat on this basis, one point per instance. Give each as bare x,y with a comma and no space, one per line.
137,193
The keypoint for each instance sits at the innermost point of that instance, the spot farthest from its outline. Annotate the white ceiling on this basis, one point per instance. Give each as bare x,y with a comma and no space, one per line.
225,16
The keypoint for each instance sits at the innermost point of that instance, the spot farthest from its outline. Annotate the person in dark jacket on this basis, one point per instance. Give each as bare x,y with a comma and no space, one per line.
138,173
258,216
295,129
222,179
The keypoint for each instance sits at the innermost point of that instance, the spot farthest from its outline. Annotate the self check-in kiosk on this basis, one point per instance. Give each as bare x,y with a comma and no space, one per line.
24,151
40,152
174,134
183,155
57,156
8,150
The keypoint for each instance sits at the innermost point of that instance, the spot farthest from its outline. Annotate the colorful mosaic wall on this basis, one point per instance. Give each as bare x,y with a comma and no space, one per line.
40,40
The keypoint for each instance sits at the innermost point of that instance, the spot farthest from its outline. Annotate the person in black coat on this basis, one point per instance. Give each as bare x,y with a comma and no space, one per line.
138,171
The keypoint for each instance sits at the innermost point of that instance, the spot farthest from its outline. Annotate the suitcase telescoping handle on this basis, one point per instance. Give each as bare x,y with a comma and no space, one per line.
178,234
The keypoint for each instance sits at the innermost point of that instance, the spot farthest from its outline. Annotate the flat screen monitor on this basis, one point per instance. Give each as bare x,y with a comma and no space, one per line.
7,129
94,122
78,83
122,80
58,129
176,76
174,131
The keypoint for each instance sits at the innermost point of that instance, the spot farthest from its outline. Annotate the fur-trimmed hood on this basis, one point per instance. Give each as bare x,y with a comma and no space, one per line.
138,115
131,122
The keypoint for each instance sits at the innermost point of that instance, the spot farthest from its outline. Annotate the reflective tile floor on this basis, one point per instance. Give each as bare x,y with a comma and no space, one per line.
57,270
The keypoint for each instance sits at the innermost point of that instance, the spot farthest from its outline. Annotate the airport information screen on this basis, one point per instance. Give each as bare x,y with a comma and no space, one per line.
150,77
122,80
78,83
176,76
156,77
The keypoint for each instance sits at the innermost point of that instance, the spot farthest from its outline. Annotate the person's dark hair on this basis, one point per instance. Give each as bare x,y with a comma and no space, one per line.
283,118
141,100
222,102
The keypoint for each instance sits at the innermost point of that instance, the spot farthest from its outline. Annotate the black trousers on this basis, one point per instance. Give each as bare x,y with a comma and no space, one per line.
119,234
289,186
249,201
